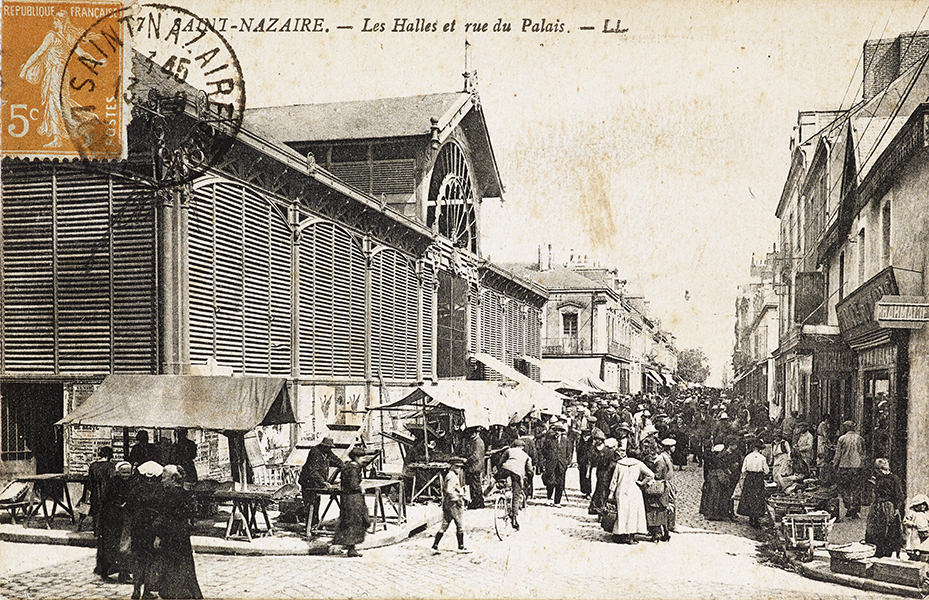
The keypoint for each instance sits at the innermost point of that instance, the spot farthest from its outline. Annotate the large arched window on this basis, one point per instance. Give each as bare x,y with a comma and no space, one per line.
450,208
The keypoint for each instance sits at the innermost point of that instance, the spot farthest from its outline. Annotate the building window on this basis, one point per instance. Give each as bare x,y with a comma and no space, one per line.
885,234
451,321
861,256
569,324
841,276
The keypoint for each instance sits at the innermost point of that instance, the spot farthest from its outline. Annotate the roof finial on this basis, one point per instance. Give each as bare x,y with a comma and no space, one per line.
470,77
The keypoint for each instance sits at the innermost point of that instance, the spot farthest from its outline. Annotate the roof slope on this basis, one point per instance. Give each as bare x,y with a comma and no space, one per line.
354,120
555,279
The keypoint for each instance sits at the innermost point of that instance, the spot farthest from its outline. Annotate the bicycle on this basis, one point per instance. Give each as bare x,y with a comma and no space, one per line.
504,515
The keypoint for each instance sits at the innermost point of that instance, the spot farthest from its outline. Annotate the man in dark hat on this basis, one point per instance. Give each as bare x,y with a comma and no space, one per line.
315,475
583,450
556,454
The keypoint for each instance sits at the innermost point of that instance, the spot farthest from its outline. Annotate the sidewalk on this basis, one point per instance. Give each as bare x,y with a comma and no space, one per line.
845,532
287,540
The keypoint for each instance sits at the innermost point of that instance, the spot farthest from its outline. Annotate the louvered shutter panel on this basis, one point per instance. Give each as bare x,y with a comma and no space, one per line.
355,173
474,337
83,252
308,274
229,276
134,295
428,288
332,322
280,310
511,335
28,313
256,301
394,315
201,227
393,176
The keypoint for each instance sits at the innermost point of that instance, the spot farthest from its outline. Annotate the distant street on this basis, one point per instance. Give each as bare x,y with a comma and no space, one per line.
558,553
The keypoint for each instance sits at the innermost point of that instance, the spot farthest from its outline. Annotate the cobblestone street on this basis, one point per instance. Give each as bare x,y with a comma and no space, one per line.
558,553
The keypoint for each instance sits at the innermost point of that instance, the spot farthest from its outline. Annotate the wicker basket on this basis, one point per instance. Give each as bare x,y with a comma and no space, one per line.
786,505
853,551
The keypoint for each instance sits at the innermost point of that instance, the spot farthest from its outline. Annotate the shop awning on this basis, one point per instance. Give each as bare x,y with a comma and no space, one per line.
653,376
597,384
195,402
569,386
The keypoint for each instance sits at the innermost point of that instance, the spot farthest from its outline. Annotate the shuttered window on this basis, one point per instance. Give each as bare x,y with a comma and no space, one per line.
394,308
78,258
332,310
240,302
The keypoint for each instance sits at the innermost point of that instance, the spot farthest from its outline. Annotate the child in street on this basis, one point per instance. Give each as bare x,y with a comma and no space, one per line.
452,504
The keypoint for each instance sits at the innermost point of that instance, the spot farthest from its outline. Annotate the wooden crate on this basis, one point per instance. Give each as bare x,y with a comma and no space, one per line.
856,568
899,571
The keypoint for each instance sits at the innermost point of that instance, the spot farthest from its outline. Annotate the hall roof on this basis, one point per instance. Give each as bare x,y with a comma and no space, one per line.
432,116
355,120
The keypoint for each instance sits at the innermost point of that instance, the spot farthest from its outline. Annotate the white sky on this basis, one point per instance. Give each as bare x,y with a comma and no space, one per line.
661,151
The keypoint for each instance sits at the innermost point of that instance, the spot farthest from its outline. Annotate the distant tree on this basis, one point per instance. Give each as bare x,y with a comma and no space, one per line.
692,365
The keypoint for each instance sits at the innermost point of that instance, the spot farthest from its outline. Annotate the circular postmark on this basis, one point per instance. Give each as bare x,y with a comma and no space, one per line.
154,81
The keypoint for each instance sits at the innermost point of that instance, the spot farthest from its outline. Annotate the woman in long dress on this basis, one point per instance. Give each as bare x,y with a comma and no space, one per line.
657,495
628,475
883,528
353,516
715,501
178,576
754,471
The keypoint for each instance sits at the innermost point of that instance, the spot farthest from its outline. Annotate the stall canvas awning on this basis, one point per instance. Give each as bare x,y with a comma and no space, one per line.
484,402
529,394
195,402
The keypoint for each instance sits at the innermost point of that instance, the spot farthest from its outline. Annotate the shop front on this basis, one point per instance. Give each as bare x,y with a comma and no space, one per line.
876,322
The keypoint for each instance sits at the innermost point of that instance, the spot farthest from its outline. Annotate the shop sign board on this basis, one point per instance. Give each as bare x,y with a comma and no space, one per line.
901,312
856,312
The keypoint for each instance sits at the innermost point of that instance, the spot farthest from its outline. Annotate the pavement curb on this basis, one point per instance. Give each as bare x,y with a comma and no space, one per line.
296,546
861,583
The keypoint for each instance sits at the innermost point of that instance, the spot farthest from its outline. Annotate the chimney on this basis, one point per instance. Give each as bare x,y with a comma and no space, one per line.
548,265
887,59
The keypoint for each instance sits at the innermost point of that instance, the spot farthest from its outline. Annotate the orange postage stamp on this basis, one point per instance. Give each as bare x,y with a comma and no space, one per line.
63,66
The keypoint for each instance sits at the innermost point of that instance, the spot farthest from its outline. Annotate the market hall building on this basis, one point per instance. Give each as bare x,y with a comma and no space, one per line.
335,247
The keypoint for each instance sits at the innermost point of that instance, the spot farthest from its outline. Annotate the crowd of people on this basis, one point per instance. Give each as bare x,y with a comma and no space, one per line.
142,515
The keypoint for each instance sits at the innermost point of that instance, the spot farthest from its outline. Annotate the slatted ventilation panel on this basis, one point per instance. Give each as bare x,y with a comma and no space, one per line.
393,176
332,310
394,306
511,333
475,322
28,302
239,280
428,289
78,247
356,174
533,332
134,297
492,327
201,242
83,272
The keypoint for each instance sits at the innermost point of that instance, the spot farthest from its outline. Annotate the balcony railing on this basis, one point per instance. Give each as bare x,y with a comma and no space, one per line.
562,346
620,350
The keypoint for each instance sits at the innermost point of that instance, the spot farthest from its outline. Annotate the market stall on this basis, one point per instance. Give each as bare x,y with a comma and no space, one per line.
230,405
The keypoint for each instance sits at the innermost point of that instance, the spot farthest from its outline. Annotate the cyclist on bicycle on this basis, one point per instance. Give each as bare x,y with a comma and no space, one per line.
516,465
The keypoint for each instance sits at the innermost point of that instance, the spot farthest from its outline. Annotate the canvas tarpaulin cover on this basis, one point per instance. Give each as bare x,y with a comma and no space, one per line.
195,402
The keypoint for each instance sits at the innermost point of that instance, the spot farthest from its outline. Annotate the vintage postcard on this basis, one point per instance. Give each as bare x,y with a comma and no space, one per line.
475,299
